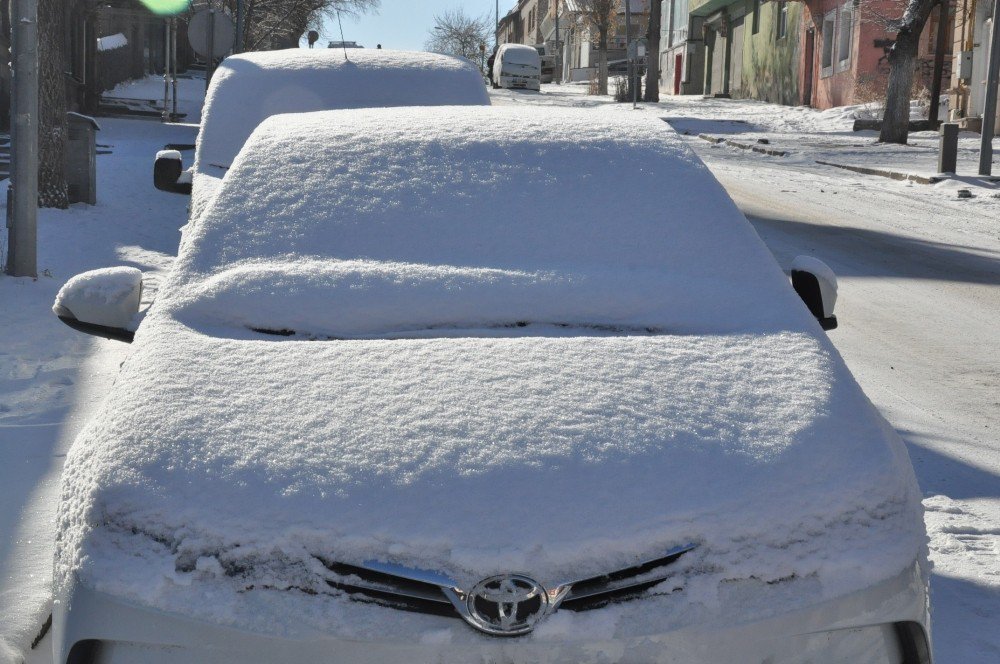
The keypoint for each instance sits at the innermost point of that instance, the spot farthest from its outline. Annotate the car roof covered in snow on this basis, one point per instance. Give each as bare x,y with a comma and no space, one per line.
549,214
248,88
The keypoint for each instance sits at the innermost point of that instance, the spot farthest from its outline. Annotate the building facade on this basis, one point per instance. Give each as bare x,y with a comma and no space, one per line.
971,46
819,53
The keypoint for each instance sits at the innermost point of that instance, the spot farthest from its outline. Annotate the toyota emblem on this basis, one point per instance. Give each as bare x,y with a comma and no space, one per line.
506,605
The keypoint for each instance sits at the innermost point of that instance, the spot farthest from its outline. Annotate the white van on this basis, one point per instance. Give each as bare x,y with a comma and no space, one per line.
517,66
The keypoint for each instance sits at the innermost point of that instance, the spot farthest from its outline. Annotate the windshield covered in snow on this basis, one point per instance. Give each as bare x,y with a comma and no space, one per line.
347,223
526,56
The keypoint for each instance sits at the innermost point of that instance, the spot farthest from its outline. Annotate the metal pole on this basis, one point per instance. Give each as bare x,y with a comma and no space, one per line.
241,12
210,65
173,63
990,108
22,210
165,116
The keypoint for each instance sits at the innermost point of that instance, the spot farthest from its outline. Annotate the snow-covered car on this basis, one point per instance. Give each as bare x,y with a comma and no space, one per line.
421,388
248,88
517,66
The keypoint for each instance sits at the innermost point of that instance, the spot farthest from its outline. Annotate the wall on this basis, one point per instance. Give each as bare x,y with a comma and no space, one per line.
770,68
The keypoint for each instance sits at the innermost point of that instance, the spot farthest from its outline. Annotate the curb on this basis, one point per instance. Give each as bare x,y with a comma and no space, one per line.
885,173
743,146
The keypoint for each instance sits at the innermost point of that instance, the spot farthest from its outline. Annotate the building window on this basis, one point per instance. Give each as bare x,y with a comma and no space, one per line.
678,21
782,30
845,30
829,29
755,21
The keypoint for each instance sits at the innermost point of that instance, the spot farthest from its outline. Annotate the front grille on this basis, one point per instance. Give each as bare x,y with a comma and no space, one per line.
368,584
622,585
422,591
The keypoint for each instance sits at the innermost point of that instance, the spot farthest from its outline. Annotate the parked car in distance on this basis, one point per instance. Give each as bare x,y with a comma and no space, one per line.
248,88
388,408
518,67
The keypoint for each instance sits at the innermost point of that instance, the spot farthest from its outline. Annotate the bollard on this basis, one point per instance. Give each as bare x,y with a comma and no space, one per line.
948,156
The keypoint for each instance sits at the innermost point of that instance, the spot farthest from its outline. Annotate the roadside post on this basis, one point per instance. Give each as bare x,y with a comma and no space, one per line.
948,154
558,71
210,64
990,109
22,193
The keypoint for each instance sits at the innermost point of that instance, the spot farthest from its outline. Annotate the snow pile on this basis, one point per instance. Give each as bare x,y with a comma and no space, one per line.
561,455
111,42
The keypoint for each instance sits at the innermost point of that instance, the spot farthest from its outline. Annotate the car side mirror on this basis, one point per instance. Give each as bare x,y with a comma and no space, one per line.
816,284
169,174
102,302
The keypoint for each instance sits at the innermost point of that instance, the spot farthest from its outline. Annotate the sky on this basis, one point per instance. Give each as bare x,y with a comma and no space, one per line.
405,24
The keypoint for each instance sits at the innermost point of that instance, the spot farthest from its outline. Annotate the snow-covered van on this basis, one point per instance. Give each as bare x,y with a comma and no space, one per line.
248,88
517,66
387,408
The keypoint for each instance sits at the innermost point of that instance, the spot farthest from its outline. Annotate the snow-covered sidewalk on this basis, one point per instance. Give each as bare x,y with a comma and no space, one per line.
51,377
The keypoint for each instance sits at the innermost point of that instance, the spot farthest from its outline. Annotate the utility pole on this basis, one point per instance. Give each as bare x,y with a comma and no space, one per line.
990,109
22,204
558,66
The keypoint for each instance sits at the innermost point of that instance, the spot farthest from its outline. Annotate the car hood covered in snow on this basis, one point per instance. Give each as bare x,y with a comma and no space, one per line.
690,400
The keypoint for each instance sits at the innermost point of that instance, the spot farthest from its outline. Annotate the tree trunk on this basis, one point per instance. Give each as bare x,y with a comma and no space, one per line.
602,63
902,62
653,52
53,129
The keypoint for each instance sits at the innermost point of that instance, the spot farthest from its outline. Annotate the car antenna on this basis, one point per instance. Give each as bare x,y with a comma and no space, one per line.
342,42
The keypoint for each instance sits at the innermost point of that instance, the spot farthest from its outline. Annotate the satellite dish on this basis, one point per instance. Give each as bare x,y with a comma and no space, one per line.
224,33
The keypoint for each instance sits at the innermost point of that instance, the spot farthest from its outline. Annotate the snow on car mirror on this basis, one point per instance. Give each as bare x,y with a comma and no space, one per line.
816,284
103,302
169,174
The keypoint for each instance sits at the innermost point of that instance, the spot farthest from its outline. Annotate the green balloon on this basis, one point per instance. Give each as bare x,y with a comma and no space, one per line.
166,7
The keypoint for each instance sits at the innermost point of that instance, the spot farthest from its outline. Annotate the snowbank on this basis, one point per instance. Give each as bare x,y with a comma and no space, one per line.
236,460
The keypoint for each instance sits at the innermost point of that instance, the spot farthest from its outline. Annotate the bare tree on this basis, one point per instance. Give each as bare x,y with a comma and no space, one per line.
902,62
53,129
653,52
457,33
280,23
600,16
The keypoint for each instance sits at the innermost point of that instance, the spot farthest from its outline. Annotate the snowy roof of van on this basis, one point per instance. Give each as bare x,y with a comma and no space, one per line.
248,88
